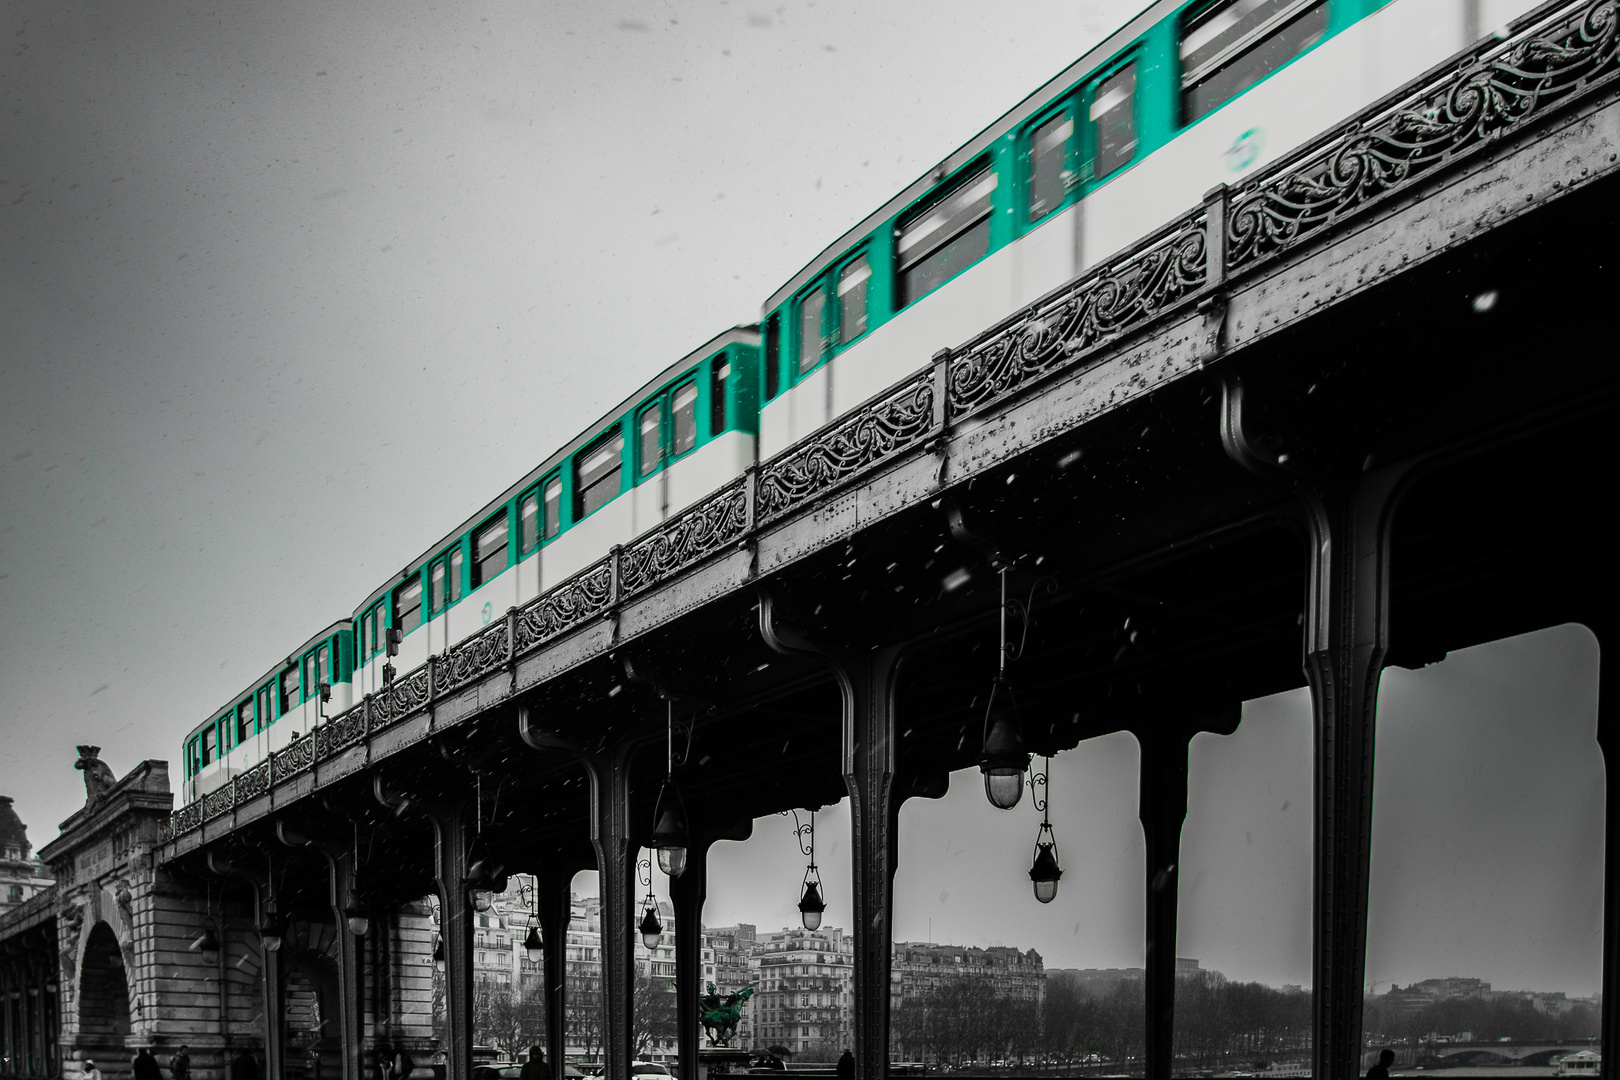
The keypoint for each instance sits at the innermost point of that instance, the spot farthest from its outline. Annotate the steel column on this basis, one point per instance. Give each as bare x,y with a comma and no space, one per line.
866,682
616,876
1163,810
688,892
450,842
1348,518
555,911
351,976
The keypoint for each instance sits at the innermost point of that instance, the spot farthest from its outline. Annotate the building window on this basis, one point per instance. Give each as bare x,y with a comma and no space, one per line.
1049,174
407,607
810,309
552,494
489,550
683,419
14,892
1113,122
1229,46
289,690
945,237
528,523
852,281
597,478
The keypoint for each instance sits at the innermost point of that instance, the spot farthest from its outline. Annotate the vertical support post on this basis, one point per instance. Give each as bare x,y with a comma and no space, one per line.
615,862
1608,737
351,988
555,911
1349,519
866,682
688,892
274,989
450,842
1163,810
1347,639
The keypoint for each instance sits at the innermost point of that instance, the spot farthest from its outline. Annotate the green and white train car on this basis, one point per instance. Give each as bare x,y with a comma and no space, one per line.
1185,96
673,441
284,703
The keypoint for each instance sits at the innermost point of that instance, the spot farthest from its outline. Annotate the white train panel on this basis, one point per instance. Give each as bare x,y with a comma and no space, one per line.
585,543
708,468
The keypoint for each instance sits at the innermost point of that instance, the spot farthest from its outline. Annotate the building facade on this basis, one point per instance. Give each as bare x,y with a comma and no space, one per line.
804,1000
22,876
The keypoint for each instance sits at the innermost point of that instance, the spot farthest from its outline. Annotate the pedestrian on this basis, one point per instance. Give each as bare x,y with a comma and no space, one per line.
846,1066
143,1066
535,1068
1380,1071
180,1063
244,1067
90,1072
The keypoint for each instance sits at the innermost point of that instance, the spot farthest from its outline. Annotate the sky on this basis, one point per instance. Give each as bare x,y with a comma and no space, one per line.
287,291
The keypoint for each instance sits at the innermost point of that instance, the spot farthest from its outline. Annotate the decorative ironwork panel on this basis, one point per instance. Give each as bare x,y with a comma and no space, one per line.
299,755
405,695
478,655
719,520
1452,116
870,435
217,802
186,818
581,597
1110,300
344,730
253,783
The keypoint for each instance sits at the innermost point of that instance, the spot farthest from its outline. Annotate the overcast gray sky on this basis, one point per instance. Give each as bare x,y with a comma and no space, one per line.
288,290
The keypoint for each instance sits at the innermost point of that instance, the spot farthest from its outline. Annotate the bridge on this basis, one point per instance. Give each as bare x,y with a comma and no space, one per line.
1503,1053
1348,415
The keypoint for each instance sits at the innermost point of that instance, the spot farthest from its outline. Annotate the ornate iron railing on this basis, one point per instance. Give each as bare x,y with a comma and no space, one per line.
1561,54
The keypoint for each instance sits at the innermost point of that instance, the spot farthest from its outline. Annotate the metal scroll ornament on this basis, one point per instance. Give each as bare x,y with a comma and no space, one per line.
1468,108
838,452
706,528
570,604
476,656
1107,302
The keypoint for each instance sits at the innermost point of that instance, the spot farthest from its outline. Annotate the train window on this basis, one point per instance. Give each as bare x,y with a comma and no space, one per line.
553,498
946,237
852,281
683,418
597,478
323,665
1049,173
262,703
717,395
289,690
309,672
407,612
456,562
528,531
209,750
773,348
1113,122
244,721
1229,46
650,428
810,308
436,594
489,549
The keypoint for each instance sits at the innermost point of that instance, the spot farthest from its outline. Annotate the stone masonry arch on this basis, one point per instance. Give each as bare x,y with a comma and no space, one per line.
103,998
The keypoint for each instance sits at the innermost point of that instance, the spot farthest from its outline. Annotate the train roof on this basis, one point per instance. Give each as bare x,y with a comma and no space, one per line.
1050,91
737,335
280,666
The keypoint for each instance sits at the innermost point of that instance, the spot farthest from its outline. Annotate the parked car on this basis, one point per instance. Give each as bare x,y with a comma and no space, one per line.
498,1070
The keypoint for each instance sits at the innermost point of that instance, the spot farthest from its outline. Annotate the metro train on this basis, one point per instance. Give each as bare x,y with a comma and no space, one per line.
1186,96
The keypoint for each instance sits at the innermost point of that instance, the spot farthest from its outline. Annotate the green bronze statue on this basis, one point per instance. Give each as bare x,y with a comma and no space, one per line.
720,1014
